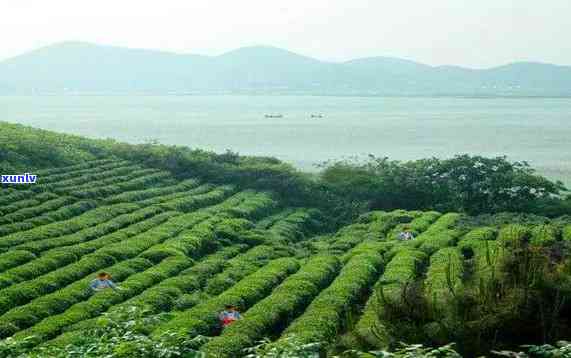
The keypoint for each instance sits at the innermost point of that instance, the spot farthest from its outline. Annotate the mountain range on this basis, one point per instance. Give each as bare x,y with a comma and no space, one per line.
77,67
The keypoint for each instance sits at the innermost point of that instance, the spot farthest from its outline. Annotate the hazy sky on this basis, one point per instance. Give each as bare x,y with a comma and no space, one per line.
474,33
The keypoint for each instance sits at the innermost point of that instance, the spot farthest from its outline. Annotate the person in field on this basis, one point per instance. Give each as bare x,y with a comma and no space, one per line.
406,235
229,315
102,281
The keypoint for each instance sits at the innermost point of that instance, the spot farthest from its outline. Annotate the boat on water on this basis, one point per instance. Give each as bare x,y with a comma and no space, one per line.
316,116
273,115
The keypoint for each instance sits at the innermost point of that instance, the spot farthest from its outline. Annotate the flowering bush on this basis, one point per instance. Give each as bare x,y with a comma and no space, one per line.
472,184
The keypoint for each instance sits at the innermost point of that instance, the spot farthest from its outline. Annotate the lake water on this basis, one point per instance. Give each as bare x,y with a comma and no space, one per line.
537,130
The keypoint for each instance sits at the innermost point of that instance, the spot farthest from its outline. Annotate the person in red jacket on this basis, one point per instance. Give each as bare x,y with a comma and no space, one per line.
229,315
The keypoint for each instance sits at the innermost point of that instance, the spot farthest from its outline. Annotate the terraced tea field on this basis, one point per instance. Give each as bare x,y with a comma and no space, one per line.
189,247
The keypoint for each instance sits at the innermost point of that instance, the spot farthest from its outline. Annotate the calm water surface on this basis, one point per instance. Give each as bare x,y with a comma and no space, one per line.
537,130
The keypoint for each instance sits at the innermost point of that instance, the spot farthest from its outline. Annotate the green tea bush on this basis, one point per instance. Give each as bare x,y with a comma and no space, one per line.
203,318
90,218
162,297
142,194
121,186
399,272
444,278
14,196
481,233
63,213
78,166
544,235
14,258
101,301
323,319
118,335
194,202
83,180
239,267
163,198
92,235
295,226
9,210
514,235
70,172
54,303
566,234
275,311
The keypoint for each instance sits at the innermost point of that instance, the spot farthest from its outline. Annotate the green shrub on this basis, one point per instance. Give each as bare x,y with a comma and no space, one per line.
487,256
189,203
14,258
514,235
89,178
544,235
93,235
57,302
322,320
444,278
69,172
566,235
481,233
90,218
33,210
118,335
139,195
202,319
101,301
239,267
400,271
67,212
14,196
13,212
119,186
286,302
295,226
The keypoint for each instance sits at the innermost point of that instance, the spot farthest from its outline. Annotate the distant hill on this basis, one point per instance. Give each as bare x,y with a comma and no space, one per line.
88,68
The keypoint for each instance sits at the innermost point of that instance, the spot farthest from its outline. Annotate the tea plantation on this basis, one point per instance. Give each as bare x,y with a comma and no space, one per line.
188,247
313,271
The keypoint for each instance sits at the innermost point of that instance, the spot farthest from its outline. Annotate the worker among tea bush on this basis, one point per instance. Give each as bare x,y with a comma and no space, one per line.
406,235
229,315
102,282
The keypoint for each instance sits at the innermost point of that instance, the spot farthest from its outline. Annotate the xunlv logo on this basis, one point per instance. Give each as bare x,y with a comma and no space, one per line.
18,179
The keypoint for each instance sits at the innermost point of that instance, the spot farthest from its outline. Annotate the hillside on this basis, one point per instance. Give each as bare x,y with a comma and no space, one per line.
252,233
75,67
189,247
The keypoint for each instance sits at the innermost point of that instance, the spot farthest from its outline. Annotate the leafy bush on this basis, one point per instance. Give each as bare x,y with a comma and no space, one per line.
117,335
275,311
90,218
202,319
544,235
139,195
323,318
562,349
14,258
471,184
401,271
24,316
